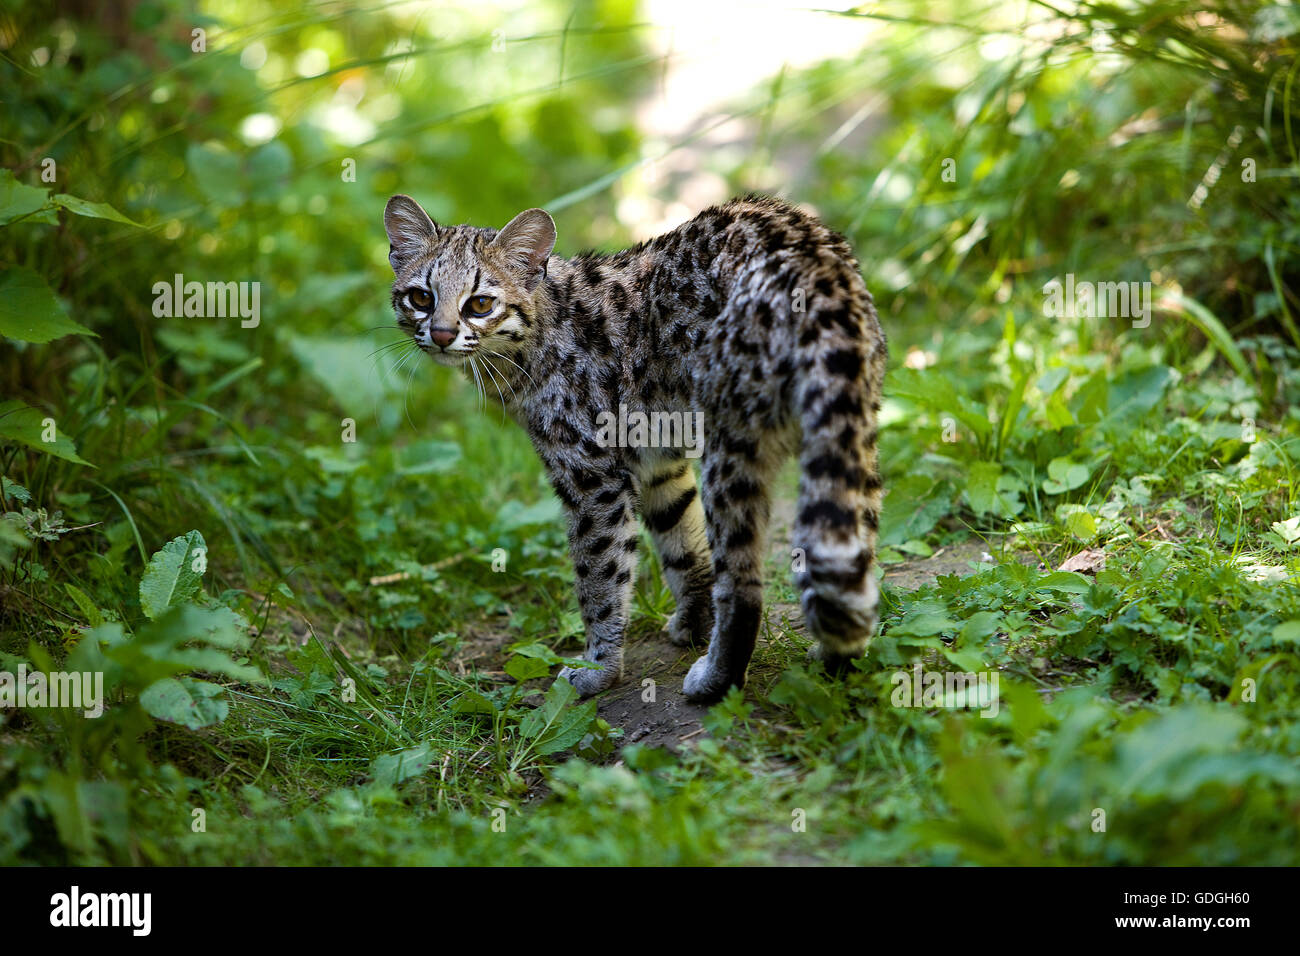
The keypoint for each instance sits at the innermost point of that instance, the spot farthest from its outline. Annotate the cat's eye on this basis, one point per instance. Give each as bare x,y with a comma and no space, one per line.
480,305
420,298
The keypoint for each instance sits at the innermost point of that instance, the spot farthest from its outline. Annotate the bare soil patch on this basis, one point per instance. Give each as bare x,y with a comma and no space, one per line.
658,714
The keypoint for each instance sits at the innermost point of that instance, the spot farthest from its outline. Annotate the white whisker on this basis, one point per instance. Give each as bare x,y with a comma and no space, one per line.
396,369
492,373
406,394
478,381
514,363
514,396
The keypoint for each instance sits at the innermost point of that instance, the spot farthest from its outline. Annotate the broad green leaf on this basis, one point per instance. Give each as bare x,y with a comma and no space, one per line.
966,661
555,726
923,624
1090,401
1137,391
18,199
174,574
808,695
523,668
30,312
1051,380
1065,474
1078,521
982,486
92,210
979,627
1288,632
932,390
538,720
104,803
913,506
29,426
982,792
186,638
1288,530
472,702
337,459
545,654
571,727
1070,581
193,703
540,651
392,769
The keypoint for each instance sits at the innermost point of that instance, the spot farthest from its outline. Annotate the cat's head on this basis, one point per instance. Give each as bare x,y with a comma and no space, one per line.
459,289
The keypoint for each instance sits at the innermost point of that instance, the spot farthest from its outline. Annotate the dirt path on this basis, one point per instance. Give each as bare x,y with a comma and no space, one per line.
648,704
669,720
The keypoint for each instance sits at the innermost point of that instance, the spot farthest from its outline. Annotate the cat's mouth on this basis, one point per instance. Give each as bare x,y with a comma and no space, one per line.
452,358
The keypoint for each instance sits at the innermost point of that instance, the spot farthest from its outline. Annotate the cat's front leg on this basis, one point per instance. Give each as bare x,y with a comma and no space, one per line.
602,542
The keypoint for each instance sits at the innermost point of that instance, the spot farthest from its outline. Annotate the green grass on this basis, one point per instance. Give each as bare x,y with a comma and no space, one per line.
1147,710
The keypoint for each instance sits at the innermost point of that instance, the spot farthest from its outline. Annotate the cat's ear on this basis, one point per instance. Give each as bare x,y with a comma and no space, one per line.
408,228
527,241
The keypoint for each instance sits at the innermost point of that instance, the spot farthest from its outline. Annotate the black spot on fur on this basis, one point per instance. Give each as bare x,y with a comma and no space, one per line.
845,362
742,489
683,562
586,480
827,512
741,537
667,519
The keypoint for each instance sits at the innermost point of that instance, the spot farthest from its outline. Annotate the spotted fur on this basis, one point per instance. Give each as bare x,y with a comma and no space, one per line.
754,314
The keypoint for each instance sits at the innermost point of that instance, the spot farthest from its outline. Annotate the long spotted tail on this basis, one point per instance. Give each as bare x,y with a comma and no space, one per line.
843,354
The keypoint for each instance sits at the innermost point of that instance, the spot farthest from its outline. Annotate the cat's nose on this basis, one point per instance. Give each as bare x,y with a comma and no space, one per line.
442,337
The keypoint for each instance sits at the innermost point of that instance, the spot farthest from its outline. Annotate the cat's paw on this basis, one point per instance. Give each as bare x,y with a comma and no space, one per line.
835,664
587,681
679,633
706,683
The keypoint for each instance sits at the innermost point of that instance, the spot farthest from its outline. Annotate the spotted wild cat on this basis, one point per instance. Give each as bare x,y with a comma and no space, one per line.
753,315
